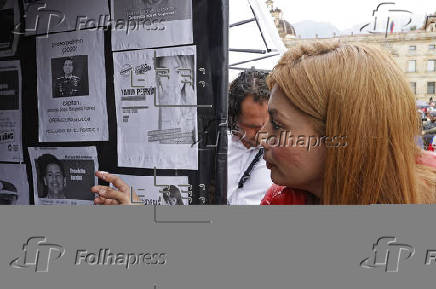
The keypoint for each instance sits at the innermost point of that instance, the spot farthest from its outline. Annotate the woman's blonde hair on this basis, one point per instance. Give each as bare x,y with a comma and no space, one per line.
358,91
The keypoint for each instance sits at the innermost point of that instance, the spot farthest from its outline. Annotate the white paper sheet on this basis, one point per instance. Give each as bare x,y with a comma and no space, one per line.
11,149
14,188
72,87
9,22
151,24
47,16
166,191
150,135
63,175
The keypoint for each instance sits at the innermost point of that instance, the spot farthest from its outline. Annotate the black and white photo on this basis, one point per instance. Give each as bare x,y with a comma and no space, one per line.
176,87
70,76
172,196
64,175
14,188
71,87
164,190
56,178
156,108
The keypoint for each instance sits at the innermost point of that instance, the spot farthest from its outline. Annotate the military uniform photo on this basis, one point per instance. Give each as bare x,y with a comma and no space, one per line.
67,86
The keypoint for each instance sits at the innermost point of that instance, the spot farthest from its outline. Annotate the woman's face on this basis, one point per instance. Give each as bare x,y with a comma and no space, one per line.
293,150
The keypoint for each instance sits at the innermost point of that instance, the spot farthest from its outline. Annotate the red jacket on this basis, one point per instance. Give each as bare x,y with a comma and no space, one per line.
279,195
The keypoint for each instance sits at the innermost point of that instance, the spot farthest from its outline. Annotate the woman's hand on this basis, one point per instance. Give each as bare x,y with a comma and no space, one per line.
110,196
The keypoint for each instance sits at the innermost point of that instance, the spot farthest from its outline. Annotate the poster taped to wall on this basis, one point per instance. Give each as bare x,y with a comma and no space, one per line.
10,112
14,188
72,87
48,16
155,98
167,191
63,175
9,22
151,23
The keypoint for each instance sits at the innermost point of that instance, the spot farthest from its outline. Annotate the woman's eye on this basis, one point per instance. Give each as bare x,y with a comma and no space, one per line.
274,125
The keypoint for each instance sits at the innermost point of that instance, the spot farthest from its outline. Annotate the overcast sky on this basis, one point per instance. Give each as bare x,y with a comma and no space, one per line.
346,13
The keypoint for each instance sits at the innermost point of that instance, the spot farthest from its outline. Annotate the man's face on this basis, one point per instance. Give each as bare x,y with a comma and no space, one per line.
68,67
251,119
54,179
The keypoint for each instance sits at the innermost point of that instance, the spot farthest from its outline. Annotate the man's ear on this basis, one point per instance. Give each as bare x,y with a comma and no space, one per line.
65,181
45,181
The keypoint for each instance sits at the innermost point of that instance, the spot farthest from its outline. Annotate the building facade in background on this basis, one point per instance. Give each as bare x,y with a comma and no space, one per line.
414,51
285,29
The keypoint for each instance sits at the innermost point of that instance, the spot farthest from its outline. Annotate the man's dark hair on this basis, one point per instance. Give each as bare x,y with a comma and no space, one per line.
249,82
49,159
68,59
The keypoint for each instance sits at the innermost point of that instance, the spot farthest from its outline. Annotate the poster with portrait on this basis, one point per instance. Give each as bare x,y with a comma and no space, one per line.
10,112
9,26
63,175
72,87
155,99
48,16
164,190
14,188
151,23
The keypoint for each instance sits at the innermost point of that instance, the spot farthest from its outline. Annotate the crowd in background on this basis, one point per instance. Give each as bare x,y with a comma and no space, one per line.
428,117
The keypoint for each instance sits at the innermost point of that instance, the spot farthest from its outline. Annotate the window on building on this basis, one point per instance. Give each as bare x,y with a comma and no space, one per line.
432,46
430,87
431,65
412,47
413,87
411,66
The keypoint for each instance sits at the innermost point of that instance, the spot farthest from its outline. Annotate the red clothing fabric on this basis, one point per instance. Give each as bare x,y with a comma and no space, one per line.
279,195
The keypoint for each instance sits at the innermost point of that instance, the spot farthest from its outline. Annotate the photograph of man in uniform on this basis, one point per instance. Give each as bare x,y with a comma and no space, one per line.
52,177
70,76
68,84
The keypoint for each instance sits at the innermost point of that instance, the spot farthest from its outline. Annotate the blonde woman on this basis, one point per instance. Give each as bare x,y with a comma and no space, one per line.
356,116
341,130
